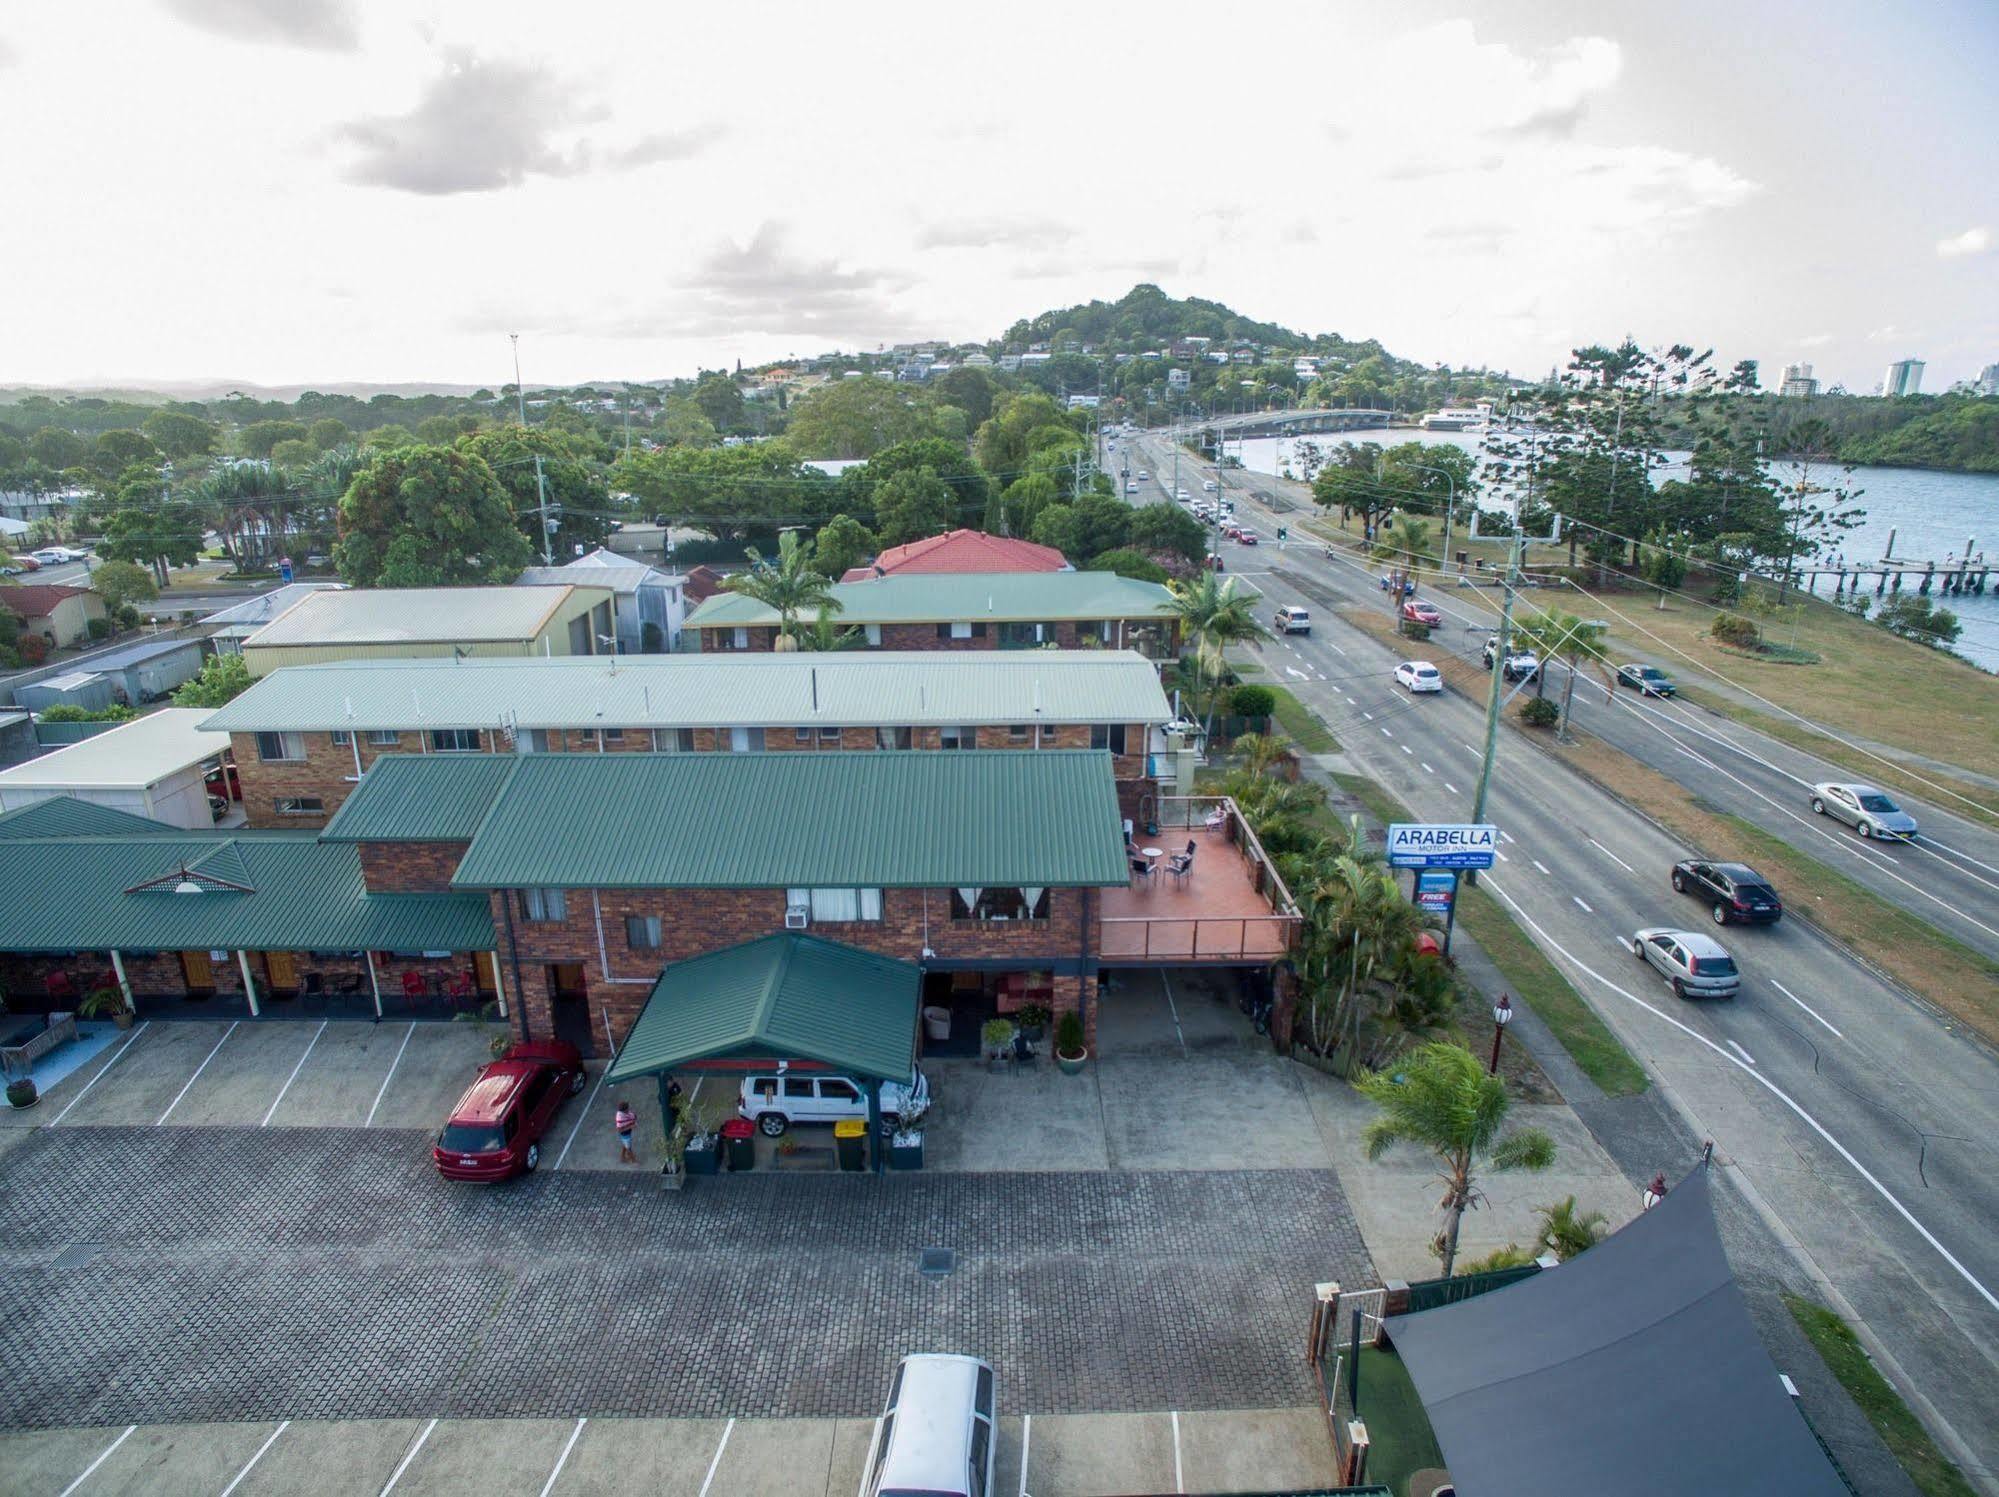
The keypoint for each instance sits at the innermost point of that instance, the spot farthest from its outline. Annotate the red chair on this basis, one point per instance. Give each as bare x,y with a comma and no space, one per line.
413,987
58,986
459,990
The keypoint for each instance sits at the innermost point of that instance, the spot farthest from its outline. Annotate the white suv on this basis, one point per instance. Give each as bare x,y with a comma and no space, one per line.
777,1100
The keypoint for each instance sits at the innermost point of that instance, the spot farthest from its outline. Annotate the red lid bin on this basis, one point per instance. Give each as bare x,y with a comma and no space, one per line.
738,1128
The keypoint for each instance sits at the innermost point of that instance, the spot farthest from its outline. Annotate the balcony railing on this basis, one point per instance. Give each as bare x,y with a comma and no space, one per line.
1233,906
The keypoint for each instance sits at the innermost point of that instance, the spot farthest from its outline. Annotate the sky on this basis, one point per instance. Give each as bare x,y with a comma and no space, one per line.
324,191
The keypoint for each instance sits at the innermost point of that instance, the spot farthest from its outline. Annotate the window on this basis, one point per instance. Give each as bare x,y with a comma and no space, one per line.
739,639
957,738
300,805
839,1091
802,736
982,1435
829,736
642,932
280,747
765,1087
893,738
1048,733
1016,732
838,904
961,630
999,904
544,904
1025,634
454,740
673,740
795,1086
1108,736
745,740
341,738
384,738
614,735
536,1089
874,635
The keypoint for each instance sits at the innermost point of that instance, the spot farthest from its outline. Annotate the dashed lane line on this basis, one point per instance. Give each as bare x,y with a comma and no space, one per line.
1580,905
1611,855
1803,1005
1426,768
1742,1052
1540,865
1452,788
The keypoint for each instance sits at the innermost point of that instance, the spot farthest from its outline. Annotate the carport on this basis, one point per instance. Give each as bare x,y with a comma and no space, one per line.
788,1000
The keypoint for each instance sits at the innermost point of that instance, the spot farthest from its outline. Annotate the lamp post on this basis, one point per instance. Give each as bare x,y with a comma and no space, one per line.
1450,505
1502,1015
1656,1191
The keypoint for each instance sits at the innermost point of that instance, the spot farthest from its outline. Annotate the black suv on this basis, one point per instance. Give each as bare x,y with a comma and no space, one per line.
1732,891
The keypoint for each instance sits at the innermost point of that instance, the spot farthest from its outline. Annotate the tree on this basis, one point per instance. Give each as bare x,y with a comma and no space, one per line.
911,505
1128,563
1214,614
1554,635
578,499
222,678
55,448
428,517
1029,422
181,436
947,461
115,451
1441,1099
154,533
731,491
293,454
259,437
387,438
1567,1231
854,418
1919,619
1056,526
787,583
971,390
718,399
1348,482
1020,504
1167,530
327,433
122,582
842,544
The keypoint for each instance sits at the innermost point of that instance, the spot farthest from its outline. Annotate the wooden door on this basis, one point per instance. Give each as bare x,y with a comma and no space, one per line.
281,971
198,972
485,972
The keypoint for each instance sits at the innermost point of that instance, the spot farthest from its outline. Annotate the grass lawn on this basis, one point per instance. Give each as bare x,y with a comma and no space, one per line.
1899,1429
1532,978
1960,981
1302,724
1400,1440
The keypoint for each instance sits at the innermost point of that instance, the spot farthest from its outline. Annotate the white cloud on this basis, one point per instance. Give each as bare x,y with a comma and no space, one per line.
317,25
1973,241
1813,340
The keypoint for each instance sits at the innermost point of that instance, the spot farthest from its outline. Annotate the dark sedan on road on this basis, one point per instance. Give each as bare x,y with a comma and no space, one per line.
1732,891
1646,680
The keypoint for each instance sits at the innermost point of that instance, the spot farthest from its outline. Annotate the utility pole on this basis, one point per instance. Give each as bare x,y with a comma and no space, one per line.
1498,690
540,486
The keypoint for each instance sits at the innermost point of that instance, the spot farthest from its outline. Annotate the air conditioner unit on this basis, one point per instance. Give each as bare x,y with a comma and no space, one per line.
797,916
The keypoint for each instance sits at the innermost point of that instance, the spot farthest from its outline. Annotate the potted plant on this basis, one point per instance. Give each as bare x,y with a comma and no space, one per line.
481,1019
905,1142
997,1037
673,1173
702,1154
1070,1049
103,1001
22,1093
1033,1021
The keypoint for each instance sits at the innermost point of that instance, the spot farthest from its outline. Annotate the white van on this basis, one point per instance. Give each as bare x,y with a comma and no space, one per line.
1208,485
1294,620
936,1435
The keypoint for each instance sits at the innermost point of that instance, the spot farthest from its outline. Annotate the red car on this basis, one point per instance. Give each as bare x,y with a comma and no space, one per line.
1245,537
495,1130
1419,612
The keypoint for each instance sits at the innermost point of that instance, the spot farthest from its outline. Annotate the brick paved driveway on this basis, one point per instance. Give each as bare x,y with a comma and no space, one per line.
328,1273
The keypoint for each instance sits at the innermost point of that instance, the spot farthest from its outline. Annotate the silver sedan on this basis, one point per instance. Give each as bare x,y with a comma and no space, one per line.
1865,809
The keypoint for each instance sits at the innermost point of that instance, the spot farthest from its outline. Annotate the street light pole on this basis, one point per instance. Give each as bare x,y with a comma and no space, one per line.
1502,1015
1495,694
540,487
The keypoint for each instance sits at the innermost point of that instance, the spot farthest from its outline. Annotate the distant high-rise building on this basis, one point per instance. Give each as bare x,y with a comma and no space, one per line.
1904,377
1798,381
1988,380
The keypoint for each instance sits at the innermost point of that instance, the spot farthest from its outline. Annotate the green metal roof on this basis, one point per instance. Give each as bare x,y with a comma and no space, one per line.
74,889
784,997
936,598
420,798
877,819
62,816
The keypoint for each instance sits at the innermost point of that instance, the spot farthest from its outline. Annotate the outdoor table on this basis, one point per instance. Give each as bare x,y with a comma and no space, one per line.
1153,852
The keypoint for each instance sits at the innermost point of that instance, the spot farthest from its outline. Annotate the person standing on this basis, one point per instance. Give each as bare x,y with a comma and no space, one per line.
625,1120
672,1101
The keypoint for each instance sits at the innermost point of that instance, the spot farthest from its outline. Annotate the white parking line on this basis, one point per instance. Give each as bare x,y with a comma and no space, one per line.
868,1465
1386,734
237,1480
1506,836
1452,788
1540,865
1802,1004
1611,855
397,1475
1742,1052
560,1461
198,1070
577,1127
1179,1481
1026,1434
1580,905
116,1057
103,1455
709,1480
294,1075
383,1090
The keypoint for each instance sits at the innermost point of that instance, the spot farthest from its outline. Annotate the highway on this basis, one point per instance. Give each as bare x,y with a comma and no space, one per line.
1860,1125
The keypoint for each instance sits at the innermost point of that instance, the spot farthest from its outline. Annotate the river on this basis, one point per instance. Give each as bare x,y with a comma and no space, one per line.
1931,512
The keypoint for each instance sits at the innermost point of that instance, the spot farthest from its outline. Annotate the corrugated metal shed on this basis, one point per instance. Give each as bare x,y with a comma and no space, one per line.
414,615
912,688
998,597
136,754
421,798
86,689
83,893
787,997
780,820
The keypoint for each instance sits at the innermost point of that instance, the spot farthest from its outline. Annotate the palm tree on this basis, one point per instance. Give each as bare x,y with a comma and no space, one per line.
1214,614
1565,1231
822,635
1552,634
788,583
1441,1098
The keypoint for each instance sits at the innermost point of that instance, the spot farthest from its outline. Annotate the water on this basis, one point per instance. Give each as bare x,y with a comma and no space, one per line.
1931,512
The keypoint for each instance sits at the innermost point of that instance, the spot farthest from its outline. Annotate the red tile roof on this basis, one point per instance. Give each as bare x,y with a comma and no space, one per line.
36,600
703,582
962,551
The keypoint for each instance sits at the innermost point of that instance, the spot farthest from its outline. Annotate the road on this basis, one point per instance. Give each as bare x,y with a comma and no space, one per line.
1863,1123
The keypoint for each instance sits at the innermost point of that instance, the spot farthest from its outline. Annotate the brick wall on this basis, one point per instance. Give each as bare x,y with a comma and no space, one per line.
159,977
719,639
407,867
327,771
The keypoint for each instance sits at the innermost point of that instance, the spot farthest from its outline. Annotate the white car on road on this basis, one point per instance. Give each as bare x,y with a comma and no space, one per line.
1419,676
776,1100
1693,964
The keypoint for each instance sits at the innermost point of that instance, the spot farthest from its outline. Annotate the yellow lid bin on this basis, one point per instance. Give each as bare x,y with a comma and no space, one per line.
851,1128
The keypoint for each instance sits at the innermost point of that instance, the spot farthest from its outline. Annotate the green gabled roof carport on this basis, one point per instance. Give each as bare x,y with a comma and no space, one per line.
784,997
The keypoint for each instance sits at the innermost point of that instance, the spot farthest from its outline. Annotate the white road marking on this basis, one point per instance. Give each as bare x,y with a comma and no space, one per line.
1386,734
1406,749
1473,752
198,1070
1540,865
294,1075
1179,1481
1802,1004
1501,856
103,1455
1336,649
1506,836
1426,768
1454,790
1768,1085
237,1480
1350,701
1026,1434
1370,717
1292,670
397,1475
868,1465
709,1480
577,1126
1742,1052
560,1461
1581,906
1611,855
116,1057
383,1090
